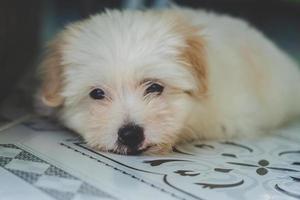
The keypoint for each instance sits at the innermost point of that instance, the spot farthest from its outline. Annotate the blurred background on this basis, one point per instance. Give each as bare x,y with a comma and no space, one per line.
26,26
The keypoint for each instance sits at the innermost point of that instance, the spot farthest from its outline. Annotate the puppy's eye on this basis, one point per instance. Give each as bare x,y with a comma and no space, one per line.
97,94
154,87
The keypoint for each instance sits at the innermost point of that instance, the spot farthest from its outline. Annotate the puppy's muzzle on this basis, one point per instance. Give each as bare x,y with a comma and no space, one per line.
131,135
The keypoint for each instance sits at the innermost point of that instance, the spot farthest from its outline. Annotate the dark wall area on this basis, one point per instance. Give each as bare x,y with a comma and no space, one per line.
19,32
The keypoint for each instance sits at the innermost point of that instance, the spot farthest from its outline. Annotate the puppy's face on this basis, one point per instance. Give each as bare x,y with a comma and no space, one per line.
126,81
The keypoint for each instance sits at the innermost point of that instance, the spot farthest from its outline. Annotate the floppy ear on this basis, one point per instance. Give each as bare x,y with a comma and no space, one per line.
51,74
194,58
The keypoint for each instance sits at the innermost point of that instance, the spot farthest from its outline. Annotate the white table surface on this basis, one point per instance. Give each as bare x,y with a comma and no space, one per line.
40,160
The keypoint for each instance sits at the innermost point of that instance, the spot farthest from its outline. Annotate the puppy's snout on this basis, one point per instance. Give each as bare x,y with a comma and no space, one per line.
131,135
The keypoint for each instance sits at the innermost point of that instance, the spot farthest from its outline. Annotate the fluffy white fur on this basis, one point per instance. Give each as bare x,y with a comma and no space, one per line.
222,78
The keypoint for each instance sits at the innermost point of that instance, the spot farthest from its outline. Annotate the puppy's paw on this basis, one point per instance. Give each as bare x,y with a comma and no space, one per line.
161,149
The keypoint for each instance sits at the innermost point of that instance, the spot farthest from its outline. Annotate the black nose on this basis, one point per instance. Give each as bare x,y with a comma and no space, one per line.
131,135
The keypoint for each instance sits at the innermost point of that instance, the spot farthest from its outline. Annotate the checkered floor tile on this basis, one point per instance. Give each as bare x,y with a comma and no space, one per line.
51,180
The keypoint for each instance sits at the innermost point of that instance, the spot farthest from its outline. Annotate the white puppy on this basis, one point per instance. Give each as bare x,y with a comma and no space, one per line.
131,81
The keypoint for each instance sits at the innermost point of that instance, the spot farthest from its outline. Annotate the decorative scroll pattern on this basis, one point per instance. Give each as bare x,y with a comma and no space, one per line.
206,170
266,167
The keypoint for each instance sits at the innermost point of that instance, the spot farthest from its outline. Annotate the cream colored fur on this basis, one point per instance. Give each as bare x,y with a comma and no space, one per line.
222,77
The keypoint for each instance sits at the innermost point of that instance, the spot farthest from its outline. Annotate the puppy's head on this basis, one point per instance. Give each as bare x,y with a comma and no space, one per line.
126,81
